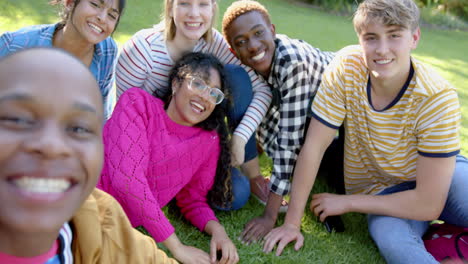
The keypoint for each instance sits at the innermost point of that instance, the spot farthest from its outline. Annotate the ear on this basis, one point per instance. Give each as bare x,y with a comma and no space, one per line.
69,3
416,36
175,85
273,29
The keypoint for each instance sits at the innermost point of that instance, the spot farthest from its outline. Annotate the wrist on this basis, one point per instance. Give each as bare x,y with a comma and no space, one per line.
272,206
173,244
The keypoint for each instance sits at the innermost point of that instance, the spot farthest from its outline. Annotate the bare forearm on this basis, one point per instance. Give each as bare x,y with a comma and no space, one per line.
172,243
304,177
425,202
215,228
317,140
272,206
406,204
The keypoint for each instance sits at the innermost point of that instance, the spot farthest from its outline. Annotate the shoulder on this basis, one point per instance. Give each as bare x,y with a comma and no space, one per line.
108,49
149,35
350,57
428,81
211,139
135,94
37,35
108,43
216,34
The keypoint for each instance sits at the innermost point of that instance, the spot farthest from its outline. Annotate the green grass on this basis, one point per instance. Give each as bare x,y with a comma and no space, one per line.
444,50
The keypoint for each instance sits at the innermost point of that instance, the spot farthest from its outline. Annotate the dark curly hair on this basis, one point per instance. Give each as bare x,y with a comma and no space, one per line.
201,63
66,13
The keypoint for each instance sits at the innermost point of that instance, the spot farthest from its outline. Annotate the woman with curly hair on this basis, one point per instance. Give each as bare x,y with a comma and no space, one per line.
156,150
85,32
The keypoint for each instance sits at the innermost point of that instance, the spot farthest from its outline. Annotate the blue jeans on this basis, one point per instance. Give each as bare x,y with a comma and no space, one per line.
241,92
400,240
240,191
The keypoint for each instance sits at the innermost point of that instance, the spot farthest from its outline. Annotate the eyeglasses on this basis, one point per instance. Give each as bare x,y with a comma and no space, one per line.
196,84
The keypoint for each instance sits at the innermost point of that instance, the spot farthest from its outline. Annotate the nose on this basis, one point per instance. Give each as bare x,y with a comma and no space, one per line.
253,45
382,47
102,14
49,141
194,11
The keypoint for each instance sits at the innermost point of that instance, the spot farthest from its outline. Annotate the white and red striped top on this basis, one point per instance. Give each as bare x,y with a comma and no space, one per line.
145,62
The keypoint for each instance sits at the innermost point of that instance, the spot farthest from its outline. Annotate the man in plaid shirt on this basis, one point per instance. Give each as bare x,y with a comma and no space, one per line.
293,69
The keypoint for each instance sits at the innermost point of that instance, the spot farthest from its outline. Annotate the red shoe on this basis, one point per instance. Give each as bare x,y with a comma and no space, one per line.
260,190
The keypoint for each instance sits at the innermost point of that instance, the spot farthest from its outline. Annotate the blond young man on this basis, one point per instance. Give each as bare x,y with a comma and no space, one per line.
401,125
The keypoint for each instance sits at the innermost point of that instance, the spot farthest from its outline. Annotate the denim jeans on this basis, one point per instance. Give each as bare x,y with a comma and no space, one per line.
241,92
400,240
240,191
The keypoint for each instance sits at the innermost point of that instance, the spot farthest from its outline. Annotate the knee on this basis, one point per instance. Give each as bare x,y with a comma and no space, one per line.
240,189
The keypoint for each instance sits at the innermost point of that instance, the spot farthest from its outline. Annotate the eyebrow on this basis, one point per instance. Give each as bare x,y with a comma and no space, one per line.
252,28
15,97
113,9
392,29
22,97
84,107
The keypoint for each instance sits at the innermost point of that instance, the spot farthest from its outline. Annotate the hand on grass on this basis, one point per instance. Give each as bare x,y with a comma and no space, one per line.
188,255
221,242
327,204
237,150
256,229
282,236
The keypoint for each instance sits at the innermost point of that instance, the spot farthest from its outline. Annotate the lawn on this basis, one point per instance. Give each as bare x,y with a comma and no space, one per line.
444,50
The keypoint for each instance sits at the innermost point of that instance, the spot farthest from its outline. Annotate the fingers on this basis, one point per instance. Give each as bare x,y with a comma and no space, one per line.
213,251
253,233
299,243
270,241
228,254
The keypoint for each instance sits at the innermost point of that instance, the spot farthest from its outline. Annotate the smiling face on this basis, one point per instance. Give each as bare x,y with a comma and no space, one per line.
50,137
253,40
189,106
93,20
192,18
387,50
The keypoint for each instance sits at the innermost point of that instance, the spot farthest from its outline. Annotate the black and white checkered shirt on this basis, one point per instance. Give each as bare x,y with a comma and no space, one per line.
295,76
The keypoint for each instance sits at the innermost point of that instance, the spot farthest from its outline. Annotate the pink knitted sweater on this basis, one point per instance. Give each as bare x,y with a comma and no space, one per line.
149,160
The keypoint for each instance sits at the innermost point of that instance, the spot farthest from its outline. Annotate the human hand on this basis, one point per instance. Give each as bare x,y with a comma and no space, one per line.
256,229
326,204
237,150
191,255
221,242
283,235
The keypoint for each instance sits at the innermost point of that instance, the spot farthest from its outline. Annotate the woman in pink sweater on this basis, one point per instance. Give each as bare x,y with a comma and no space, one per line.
156,150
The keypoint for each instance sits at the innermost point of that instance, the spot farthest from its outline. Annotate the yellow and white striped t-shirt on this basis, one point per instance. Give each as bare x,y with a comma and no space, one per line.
381,147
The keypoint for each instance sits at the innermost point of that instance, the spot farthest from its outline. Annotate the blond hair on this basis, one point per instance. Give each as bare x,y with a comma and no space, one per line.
239,8
403,13
170,27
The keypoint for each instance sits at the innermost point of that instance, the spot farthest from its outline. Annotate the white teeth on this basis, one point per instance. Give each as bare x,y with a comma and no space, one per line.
95,28
199,106
259,56
383,61
42,185
193,24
